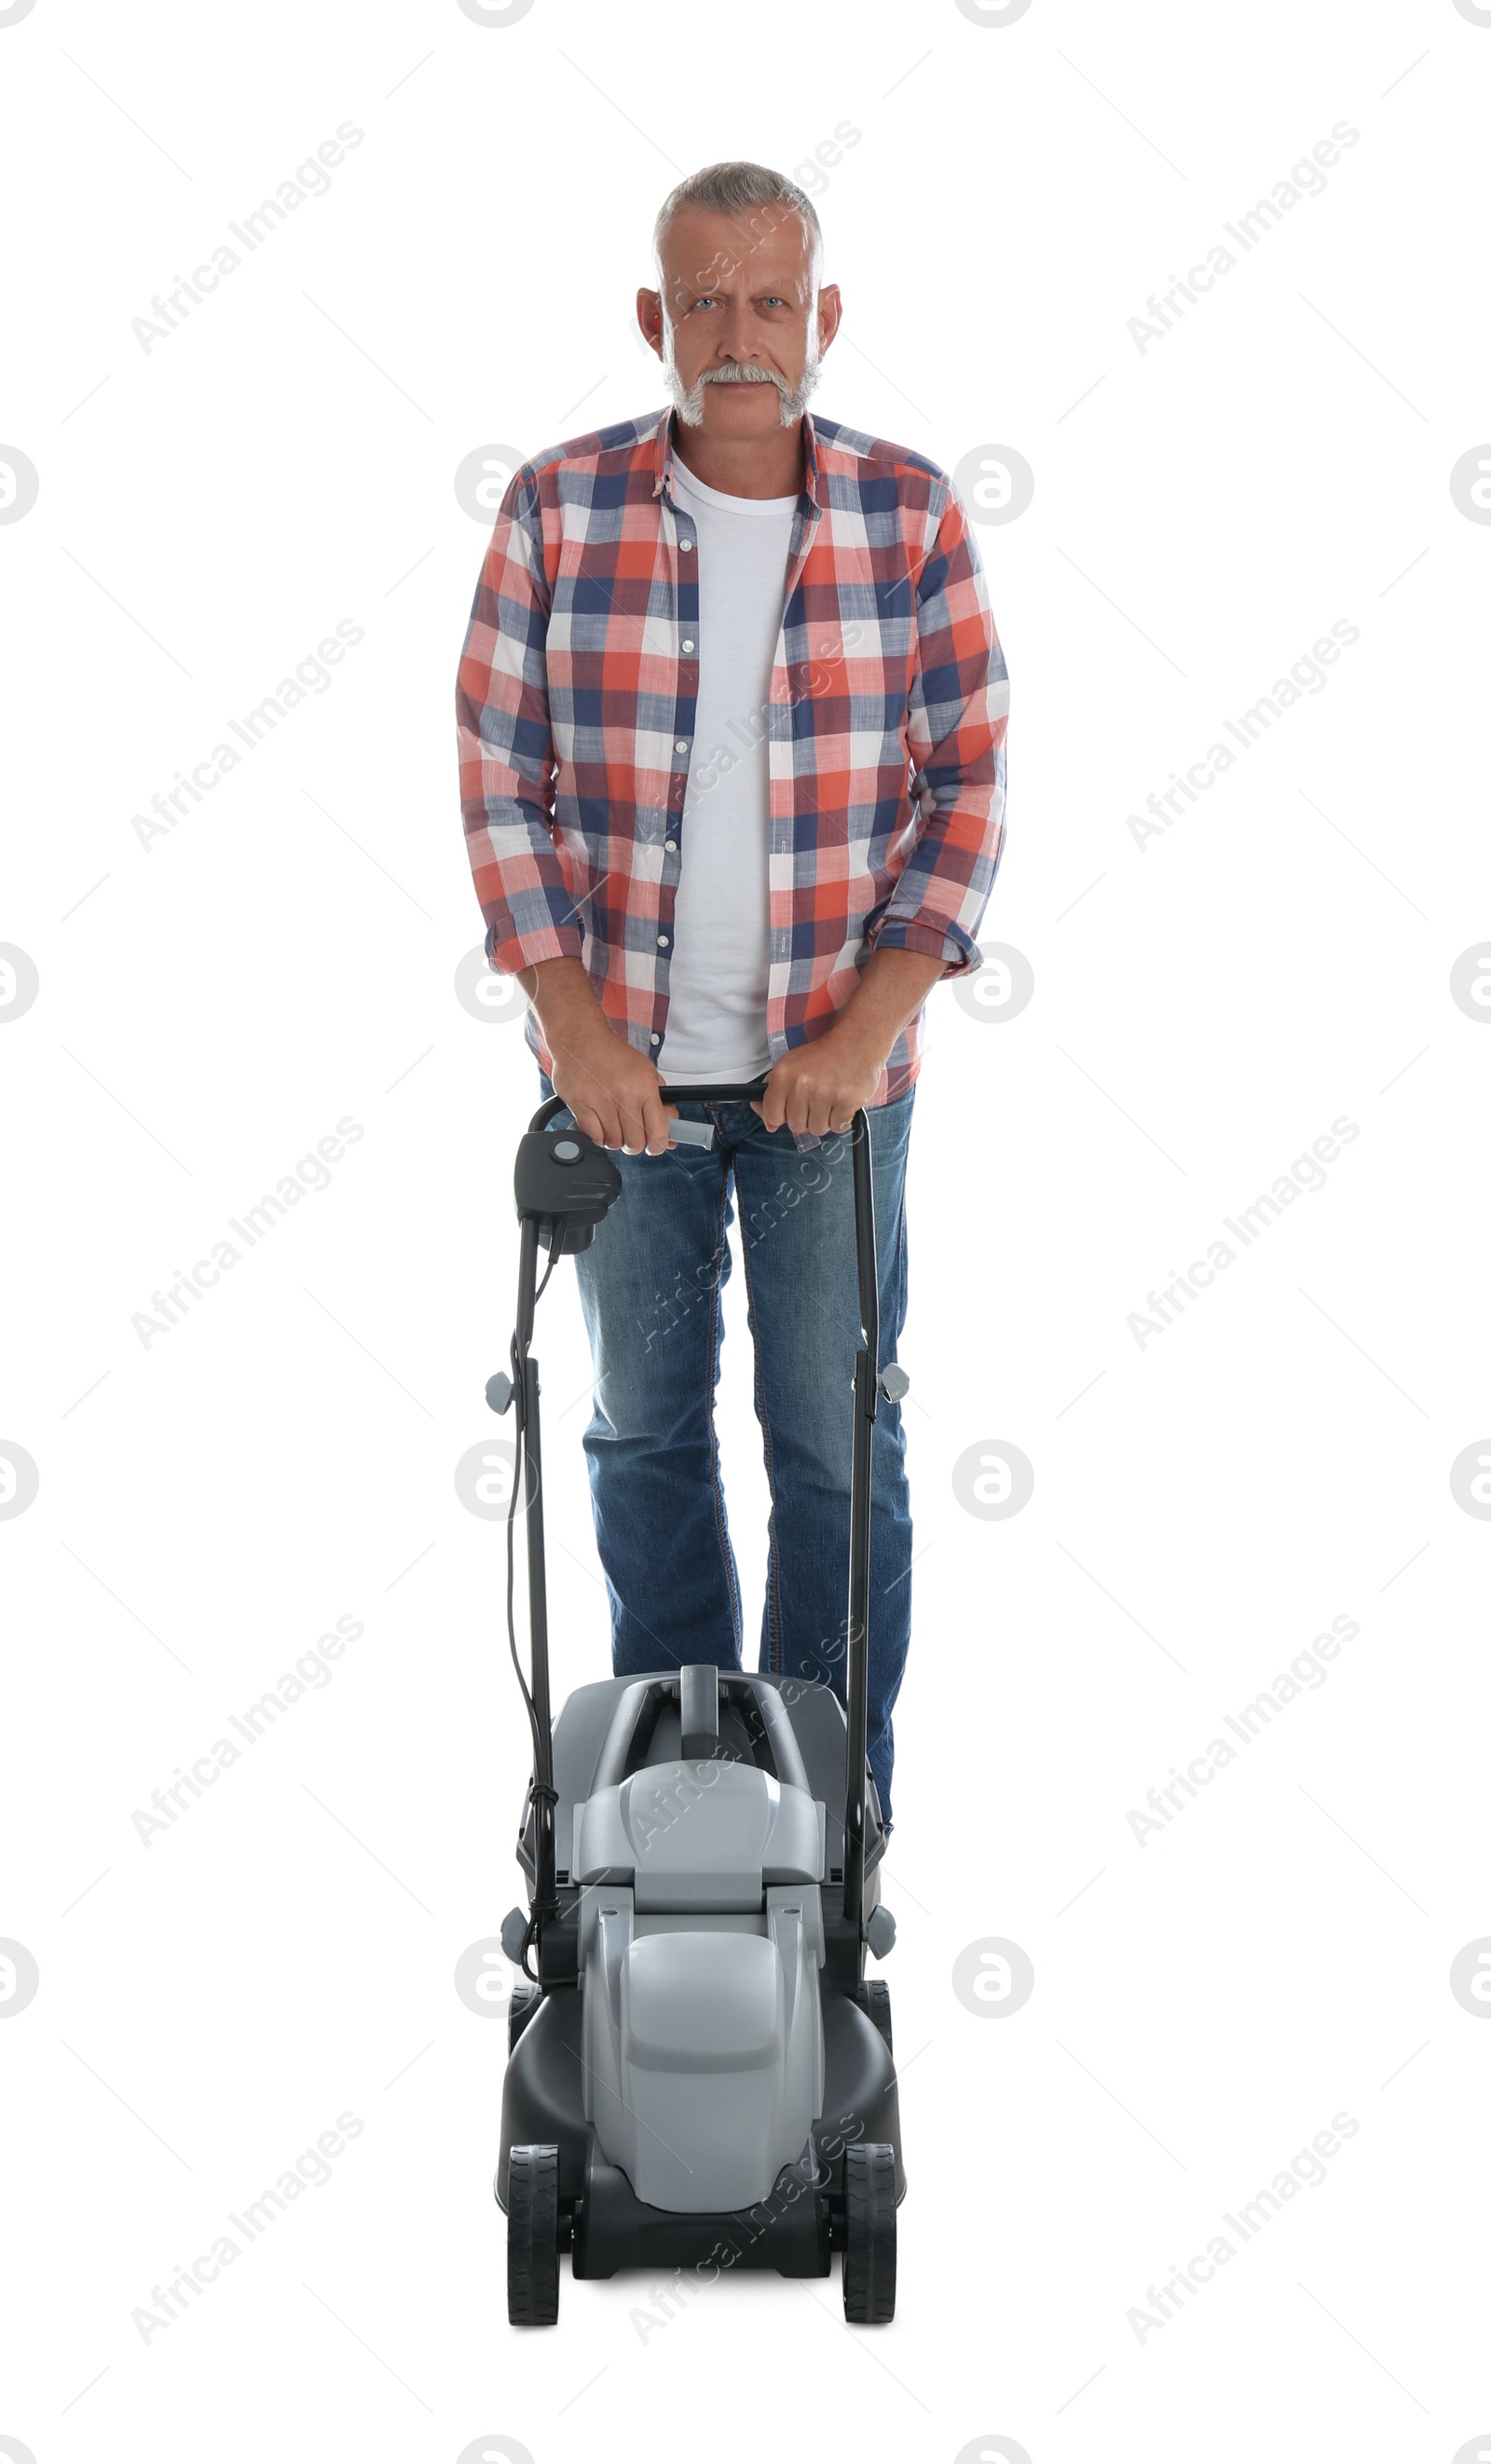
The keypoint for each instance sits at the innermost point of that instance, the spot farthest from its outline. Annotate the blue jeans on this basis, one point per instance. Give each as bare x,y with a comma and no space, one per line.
651,1286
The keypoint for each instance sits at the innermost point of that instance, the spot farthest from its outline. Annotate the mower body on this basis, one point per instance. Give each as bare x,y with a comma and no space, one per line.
698,2073
701,2052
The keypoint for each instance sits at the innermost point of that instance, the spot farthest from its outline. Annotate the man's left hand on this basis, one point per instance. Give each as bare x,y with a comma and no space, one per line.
818,1088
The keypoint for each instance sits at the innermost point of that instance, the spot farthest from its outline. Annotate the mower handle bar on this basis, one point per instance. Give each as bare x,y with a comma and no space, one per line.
742,1093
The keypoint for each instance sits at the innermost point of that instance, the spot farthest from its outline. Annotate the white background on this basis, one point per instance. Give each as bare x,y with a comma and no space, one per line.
1204,511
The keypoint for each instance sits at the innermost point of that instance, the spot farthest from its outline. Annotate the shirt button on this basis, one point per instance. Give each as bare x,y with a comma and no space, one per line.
672,846
656,1039
684,547
681,745
687,646
662,941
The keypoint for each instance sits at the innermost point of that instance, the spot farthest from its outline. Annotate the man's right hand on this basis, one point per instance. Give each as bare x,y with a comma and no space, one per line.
612,1090
610,1087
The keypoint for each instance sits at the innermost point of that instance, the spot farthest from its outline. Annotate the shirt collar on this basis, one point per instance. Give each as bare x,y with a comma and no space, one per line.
814,485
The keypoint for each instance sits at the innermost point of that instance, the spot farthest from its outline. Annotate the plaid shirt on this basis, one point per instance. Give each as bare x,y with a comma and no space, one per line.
885,728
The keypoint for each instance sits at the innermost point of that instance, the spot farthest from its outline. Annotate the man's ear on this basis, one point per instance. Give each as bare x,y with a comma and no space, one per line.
830,309
649,316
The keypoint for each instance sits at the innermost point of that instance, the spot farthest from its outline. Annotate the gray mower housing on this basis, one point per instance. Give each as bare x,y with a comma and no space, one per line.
702,1937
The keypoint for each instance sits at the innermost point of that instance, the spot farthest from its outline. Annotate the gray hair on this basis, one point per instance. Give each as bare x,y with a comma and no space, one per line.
737,189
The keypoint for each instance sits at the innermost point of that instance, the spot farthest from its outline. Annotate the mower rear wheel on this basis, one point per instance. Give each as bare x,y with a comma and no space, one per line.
869,2234
524,2002
533,2237
873,1996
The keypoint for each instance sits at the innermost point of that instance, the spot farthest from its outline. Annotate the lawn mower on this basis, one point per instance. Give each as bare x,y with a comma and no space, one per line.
699,2074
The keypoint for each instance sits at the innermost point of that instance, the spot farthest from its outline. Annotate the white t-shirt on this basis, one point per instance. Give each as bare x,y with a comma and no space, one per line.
721,957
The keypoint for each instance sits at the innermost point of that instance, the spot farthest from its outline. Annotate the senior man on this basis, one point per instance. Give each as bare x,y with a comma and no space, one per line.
731,713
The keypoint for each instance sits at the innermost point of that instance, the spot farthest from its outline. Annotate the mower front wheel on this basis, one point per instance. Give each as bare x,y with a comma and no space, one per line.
533,2237
868,2234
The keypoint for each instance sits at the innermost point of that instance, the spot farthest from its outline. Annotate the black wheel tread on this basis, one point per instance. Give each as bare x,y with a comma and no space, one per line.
533,2237
523,2003
873,1995
869,2234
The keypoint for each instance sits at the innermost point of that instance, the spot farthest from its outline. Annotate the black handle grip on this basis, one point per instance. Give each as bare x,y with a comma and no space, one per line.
732,1094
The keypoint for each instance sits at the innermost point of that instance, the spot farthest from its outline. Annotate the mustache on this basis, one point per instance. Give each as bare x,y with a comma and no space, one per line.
731,373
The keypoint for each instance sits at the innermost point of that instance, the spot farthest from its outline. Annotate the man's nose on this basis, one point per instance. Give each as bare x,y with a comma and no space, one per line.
739,341
744,359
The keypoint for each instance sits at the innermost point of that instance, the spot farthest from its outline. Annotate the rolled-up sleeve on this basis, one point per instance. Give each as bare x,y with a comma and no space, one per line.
506,748
957,717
